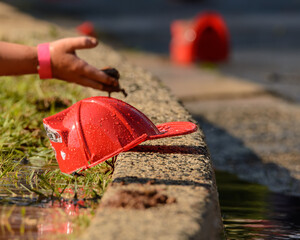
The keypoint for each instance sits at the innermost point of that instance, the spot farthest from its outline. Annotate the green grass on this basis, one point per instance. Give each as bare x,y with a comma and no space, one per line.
28,169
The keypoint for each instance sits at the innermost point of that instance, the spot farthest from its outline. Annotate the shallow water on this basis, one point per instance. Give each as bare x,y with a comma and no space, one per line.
27,215
251,211
45,220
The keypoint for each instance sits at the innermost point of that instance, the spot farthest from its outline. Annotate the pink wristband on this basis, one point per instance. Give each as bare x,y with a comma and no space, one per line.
44,61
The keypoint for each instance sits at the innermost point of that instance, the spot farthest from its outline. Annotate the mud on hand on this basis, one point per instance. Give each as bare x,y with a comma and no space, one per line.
112,72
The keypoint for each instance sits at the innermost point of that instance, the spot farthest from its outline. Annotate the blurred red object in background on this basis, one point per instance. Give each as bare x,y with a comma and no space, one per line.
206,38
87,28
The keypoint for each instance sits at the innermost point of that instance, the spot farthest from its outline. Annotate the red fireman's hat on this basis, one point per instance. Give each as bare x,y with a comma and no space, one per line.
98,128
206,38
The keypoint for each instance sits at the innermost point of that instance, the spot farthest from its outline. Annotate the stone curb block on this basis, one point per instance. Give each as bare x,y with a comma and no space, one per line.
177,169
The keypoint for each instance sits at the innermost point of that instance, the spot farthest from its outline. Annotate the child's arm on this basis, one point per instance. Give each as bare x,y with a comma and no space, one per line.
16,59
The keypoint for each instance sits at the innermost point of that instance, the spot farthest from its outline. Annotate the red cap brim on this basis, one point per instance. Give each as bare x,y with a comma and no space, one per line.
172,129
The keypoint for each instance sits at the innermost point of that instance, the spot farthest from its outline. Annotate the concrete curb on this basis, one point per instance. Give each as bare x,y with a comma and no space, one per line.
178,168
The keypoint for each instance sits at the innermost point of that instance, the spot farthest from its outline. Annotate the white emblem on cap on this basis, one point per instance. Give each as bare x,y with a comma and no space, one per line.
52,134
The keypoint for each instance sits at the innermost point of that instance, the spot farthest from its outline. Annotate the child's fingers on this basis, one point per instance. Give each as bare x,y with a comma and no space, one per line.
89,83
80,43
93,73
95,84
111,89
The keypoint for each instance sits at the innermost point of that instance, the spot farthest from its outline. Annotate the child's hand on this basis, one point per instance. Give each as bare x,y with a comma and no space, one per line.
67,66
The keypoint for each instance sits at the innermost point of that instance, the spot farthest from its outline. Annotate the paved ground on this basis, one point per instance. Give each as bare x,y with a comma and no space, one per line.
250,131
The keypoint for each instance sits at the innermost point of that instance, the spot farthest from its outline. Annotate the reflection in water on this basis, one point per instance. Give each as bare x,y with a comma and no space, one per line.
43,221
250,211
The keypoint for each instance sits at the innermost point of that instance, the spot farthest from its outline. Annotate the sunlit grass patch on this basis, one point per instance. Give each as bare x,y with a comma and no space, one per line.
29,174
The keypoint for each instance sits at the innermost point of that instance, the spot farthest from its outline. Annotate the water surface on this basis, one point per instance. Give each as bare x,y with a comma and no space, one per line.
251,211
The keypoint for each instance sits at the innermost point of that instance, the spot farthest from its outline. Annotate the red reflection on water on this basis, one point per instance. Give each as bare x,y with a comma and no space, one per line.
256,228
258,223
28,222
